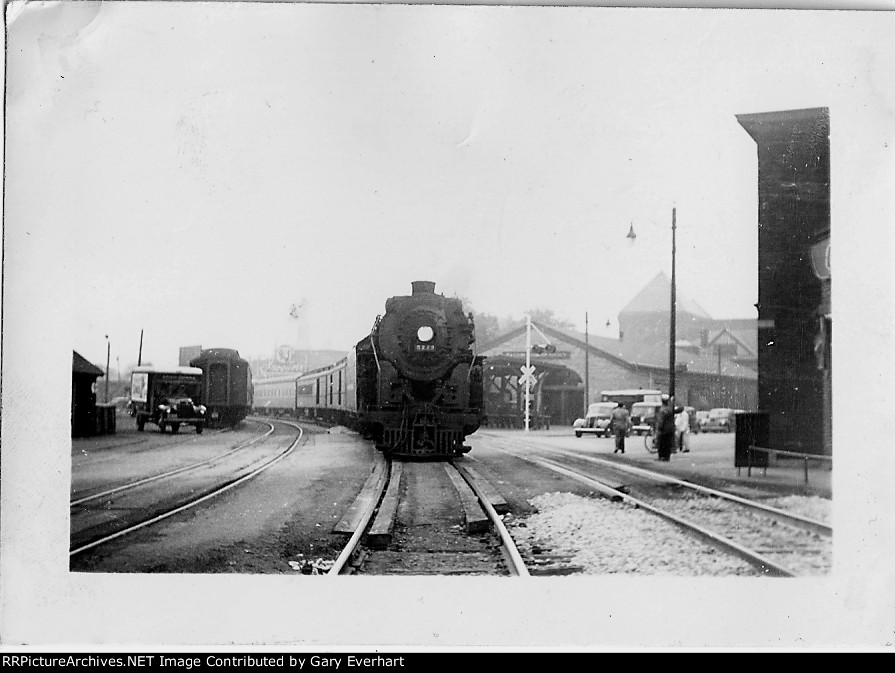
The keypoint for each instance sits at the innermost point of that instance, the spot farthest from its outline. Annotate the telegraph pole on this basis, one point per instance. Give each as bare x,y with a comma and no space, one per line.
108,351
672,326
586,365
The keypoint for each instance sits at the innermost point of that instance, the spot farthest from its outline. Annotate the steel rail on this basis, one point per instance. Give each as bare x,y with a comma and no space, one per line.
193,503
514,559
353,542
171,473
782,515
764,564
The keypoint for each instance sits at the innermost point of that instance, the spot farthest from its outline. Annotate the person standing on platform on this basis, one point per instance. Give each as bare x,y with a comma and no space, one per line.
682,428
665,428
620,420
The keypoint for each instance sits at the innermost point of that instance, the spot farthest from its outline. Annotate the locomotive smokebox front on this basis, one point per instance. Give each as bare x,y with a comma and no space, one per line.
424,335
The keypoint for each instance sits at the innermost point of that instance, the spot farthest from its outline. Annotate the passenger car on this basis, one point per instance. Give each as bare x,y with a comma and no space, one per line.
719,420
596,420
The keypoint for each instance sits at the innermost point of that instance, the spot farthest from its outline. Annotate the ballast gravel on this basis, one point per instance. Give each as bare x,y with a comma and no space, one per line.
595,536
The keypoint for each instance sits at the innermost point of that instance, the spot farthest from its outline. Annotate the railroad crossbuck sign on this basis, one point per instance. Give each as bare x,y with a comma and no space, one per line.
527,377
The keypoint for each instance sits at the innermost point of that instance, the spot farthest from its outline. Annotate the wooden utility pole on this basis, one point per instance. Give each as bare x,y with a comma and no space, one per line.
108,351
586,365
672,326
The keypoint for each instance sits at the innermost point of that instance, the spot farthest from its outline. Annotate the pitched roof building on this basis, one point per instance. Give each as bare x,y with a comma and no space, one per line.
715,359
83,396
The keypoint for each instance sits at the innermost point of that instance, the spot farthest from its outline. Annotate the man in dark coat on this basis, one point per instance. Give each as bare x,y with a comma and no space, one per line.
665,428
620,420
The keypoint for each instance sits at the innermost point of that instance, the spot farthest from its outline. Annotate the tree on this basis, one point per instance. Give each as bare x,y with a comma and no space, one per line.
487,327
543,316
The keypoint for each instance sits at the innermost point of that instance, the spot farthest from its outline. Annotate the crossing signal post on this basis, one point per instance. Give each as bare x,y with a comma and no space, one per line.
527,371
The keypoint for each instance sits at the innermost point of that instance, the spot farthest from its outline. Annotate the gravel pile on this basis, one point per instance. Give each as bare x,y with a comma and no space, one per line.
596,537
811,507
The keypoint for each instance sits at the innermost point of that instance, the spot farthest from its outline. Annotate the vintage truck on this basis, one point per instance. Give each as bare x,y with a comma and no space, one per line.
167,397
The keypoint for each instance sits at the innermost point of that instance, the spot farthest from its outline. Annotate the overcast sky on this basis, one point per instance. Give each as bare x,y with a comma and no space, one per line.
194,170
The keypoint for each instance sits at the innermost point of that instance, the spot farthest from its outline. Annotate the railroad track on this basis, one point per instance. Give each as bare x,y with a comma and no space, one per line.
405,521
170,473
773,541
120,510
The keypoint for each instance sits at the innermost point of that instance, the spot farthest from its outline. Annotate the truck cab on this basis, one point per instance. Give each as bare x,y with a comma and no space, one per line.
168,397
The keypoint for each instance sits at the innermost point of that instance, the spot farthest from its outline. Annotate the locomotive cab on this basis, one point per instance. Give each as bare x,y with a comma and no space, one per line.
167,397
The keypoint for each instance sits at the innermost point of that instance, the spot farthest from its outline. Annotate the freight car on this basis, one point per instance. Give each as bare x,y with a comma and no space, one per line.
226,386
414,384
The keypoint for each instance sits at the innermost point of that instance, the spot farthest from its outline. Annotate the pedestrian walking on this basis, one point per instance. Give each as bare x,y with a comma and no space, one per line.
665,428
682,428
620,420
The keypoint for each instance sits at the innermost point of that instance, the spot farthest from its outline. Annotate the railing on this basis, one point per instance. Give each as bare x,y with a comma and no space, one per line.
804,457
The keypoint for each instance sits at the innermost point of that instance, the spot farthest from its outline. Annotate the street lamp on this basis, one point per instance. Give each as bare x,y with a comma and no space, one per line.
672,335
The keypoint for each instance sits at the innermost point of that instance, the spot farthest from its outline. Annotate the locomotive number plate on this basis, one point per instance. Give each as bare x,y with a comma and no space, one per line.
425,347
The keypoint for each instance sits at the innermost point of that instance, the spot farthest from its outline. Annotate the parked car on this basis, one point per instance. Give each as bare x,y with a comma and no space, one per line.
643,417
701,417
596,421
719,420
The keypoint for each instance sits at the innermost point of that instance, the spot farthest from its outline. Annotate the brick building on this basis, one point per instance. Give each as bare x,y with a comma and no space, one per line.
794,283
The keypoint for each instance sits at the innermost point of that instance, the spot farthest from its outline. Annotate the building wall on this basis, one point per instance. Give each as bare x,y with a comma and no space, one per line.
83,405
655,327
793,215
705,391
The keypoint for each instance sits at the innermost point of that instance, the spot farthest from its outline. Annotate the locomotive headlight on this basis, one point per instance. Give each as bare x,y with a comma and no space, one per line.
425,333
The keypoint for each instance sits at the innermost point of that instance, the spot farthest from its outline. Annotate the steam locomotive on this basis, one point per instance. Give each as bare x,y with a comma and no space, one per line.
414,385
